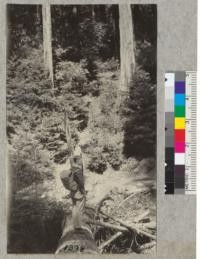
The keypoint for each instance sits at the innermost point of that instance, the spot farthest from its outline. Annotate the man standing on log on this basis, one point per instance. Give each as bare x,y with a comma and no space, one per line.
73,178
77,236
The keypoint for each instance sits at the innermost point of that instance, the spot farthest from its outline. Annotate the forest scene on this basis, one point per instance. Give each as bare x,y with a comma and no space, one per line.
82,77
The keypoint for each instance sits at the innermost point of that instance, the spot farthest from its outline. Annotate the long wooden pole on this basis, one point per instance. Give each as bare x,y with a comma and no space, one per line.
68,133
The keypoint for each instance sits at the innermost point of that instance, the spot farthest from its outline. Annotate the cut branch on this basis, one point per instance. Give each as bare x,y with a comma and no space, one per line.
100,204
130,196
118,234
147,246
150,225
108,225
142,216
124,227
133,227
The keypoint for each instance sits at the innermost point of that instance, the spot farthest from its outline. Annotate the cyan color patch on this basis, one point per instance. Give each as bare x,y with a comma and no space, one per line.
180,99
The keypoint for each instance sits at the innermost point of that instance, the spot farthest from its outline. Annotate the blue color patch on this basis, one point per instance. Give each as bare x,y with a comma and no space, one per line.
180,99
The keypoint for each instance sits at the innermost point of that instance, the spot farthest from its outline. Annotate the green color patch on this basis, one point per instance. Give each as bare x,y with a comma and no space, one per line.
179,111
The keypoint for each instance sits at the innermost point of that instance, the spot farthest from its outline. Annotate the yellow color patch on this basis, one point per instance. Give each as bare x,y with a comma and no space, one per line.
179,123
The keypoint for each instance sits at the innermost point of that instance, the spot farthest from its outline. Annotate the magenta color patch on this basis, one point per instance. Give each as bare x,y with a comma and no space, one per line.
180,147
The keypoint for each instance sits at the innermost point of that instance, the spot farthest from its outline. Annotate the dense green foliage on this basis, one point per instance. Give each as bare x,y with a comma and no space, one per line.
140,114
86,63
86,54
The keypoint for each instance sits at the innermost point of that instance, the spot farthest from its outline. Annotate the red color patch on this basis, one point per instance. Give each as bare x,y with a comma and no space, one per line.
179,135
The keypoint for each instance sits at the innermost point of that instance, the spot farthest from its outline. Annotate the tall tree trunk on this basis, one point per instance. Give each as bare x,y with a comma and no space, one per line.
47,41
74,10
38,14
93,13
127,47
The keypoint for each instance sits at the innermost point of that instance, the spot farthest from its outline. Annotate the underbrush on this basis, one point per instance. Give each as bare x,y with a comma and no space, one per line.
30,163
104,149
34,107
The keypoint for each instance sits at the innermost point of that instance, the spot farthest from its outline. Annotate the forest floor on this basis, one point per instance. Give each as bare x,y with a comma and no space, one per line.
132,193
132,199
99,185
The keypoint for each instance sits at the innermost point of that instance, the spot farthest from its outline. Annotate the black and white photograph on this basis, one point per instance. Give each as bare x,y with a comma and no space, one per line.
81,83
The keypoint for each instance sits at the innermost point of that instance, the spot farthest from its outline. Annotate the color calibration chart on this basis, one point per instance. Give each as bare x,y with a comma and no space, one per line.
180,132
